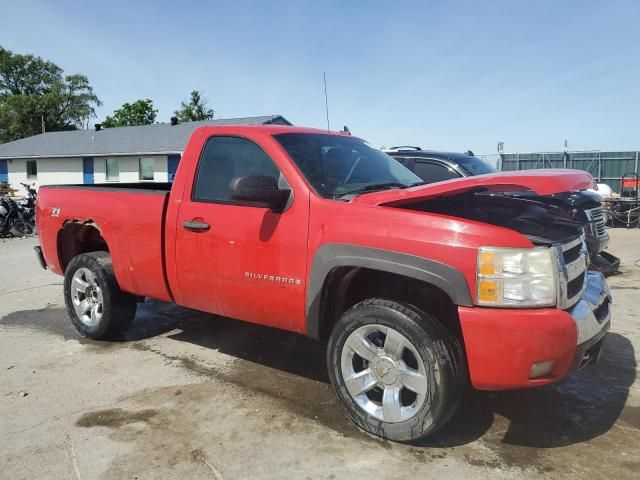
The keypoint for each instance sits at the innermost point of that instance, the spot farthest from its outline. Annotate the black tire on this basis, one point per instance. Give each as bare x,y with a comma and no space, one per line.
438,348
21,228
118,307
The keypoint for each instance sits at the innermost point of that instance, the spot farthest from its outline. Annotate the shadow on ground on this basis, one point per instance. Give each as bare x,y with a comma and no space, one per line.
291,369
583,407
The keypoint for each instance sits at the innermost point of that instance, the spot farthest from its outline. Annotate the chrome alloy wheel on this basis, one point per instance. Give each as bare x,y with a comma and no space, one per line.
86,296
384,373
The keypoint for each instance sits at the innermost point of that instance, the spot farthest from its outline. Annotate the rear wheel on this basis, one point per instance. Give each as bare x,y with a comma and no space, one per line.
397,370
21,228
96,305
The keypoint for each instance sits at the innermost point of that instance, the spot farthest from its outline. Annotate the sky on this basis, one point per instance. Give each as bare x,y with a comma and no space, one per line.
448,75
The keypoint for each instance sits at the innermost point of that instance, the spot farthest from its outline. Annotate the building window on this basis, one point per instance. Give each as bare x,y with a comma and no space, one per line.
146,167
32,169
112,169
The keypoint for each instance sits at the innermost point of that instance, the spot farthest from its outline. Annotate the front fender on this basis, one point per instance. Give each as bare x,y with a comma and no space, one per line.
333,255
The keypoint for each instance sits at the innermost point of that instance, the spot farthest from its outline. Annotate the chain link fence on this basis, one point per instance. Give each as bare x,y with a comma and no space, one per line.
605,167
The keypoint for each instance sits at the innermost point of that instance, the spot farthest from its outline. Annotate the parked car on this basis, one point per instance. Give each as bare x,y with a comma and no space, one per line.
584,206
418,290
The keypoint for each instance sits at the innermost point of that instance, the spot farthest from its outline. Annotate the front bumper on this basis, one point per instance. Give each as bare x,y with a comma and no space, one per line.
605,263
503,344
592,313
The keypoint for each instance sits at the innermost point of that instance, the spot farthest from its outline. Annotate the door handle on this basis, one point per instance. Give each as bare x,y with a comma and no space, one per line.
195,225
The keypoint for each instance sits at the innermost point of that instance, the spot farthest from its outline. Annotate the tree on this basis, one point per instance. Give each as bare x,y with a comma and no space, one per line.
140,112
71,101
34,94
196,109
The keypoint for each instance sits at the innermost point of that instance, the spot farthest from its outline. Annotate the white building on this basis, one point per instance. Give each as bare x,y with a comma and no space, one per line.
147,153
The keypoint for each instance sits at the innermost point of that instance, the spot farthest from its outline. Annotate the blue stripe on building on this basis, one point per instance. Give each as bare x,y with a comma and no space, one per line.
87,170
4,171
172,166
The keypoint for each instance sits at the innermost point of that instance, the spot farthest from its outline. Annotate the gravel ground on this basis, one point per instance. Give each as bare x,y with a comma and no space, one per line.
189,395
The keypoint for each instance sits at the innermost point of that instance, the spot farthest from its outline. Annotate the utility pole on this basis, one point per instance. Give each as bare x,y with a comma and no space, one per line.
42,121
326,99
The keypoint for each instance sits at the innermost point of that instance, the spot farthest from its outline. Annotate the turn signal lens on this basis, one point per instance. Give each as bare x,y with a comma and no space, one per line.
488,291
487,263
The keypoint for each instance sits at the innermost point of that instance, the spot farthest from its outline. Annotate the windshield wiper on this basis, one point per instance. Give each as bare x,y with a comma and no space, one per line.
375,187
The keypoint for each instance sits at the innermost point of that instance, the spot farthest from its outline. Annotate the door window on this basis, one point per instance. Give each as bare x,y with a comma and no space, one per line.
433,172
223,160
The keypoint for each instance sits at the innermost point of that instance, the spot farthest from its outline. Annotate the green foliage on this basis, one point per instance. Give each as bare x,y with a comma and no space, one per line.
196,109
140,112
35,93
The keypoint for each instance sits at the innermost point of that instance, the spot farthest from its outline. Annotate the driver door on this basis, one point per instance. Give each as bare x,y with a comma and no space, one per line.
234,258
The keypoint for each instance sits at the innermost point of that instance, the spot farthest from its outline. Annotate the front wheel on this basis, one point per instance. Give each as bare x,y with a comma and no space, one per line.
398,371
96,305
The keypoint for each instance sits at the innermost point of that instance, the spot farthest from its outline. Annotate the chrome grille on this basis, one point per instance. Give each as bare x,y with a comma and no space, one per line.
573,261
602,312
597,222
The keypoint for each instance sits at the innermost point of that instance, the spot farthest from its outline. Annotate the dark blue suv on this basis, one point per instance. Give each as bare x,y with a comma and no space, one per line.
433,166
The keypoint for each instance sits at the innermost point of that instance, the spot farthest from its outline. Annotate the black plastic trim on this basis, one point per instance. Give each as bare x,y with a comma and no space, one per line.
149,188
40,257
333,255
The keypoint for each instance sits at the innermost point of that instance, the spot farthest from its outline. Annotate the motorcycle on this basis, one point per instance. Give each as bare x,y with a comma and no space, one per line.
27,204
11,219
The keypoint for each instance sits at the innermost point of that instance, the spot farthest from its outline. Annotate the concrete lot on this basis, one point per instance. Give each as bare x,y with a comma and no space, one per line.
189,395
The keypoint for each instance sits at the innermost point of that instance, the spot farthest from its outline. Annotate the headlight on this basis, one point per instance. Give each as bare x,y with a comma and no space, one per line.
515,277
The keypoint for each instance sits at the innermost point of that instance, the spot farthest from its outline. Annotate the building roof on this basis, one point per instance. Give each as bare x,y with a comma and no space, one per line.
162,138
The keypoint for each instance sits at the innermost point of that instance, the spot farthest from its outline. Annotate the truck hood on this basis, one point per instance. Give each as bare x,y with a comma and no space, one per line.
543,182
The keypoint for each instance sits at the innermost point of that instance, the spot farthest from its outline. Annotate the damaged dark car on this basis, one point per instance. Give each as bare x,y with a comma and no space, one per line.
583,207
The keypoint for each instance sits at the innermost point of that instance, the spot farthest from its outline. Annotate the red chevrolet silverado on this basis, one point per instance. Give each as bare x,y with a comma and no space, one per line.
418,290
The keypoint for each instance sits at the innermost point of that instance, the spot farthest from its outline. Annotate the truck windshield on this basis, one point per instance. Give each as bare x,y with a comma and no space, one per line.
337,165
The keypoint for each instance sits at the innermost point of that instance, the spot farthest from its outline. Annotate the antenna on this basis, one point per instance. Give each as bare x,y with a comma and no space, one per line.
326,100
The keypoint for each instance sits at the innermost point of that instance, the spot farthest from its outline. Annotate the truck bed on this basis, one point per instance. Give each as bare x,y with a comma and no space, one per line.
130,217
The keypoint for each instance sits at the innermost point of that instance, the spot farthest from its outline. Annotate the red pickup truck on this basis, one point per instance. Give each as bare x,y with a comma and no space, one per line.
418,290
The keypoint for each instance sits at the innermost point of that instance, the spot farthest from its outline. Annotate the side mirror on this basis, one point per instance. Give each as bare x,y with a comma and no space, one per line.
261,189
